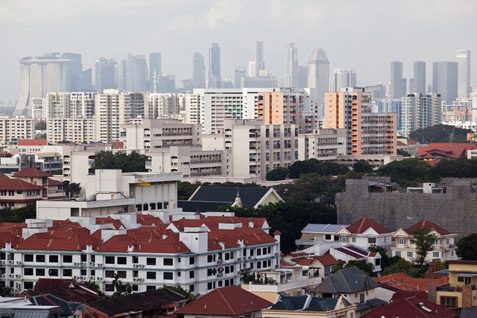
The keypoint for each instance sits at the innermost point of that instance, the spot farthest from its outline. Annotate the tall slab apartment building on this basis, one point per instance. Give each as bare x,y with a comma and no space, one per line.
367,133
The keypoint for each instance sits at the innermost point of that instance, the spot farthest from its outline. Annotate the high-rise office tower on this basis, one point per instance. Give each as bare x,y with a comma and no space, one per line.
343,78
166,83
198,71
215,79
53,72
302,76
418,82
104,71
318,77
291,66
121,74
239,73
367,133
420,111
444,80
259,62
155,70
136,73
463,62
398,83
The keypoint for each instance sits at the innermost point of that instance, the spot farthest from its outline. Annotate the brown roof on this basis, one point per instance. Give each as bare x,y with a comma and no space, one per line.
66,289
404,282
17,185
227,301
363,224
448,150
31,173
428,225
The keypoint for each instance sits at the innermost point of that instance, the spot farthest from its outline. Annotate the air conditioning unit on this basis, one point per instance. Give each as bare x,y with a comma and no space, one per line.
142,266
239,259
3,275
18,276
99,265
92,263
83,264
10,262
142,279
2,262
134,279
18,262
99,278
77,264
11,276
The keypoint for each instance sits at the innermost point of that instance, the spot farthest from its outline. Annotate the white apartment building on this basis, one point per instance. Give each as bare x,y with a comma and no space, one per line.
444,248
69,105
168,105
192,109
156,134
198,255
273,105
13,129
255,148
420,111
110,191
74,130
38,108
322,144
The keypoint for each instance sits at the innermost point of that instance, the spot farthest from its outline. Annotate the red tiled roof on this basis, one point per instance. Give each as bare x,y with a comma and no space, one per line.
65,289
428,225
31,173
17,185
227,301
327,260
407,304
411,141
32,142
53,182
3,176
404,282
400,143
448,150
363,224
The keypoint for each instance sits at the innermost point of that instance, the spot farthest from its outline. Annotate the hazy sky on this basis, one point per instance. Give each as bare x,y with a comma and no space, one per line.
364,35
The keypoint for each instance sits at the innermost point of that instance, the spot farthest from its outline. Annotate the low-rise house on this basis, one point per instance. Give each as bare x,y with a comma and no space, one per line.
52,189
154,303
210,198
353,284
231,301
16,193
411,304
402,281
68,309
308,306
365,233
66,289
443,249
438,151
318,234
20,307
461,292
353,253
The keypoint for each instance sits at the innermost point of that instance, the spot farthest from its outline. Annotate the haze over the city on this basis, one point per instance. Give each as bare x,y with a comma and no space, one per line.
363,35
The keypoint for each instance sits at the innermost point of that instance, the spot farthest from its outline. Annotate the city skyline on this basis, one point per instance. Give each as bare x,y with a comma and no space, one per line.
214,21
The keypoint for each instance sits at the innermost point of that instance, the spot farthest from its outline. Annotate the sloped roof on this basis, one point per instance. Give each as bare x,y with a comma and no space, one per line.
201,206
31,173
226,301
449,150
67,308
53,182
65,289
323,228
32,142
346,281
428,225
363,224
17,185
327,260
306,303
138,302
403,281
407,304
249,196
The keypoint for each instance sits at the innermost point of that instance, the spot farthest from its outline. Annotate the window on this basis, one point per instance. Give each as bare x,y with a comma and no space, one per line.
109,274
109,287
28,271
449,301
168,262
40,258
397,253
67,259
135,287
84,258
40,272
151,275
401,241
371,240
151,261
92,272
109,259
28,285
344,239
353,239
122,260
28,257
191,274
53,272
377,262
191,288
361,298
410,254
168,276
460,279
192,260
135,259
67,272
435,254
122,274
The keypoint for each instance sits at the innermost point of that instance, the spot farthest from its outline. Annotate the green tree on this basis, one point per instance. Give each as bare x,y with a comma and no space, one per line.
467,247
400,266
314,166
185,190
93,286
407,172
187,294
440,133
18,215
133,162
280,173
364,266
386,261
71,189
424,240
362,166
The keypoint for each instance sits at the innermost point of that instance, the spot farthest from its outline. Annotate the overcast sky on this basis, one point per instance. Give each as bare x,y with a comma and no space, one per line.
365,35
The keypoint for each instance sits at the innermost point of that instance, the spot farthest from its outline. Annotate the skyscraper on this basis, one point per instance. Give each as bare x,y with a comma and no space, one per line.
136,73
155,70
398,83
420,111
444,80
318,77
259,62
463,62
418,82
53,72
215,79
104,70
239,73
343,78
198,71
121,74
291,66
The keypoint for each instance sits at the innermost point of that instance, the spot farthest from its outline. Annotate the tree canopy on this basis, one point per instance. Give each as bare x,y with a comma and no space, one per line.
362,166
315,166
71,189
132,162
280,173
424,240
467,247
18,215
440,133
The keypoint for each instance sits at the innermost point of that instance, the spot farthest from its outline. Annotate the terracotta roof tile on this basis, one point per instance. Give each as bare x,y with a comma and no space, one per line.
363,224
31,173
17,185
428,225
